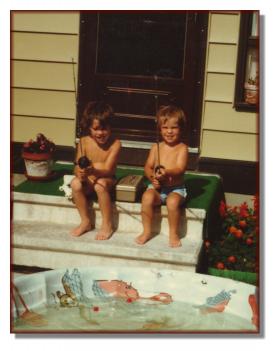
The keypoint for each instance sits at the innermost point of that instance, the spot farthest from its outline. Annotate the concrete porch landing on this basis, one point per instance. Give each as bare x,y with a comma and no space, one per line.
39,239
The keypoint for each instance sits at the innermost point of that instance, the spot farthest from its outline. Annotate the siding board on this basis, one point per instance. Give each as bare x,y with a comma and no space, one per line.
45,47
43,75
43,103
222,58
46,21
234,146
222,116
224,28
62,132
220,87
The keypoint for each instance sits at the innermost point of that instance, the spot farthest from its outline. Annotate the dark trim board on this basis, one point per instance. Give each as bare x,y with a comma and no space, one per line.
240,177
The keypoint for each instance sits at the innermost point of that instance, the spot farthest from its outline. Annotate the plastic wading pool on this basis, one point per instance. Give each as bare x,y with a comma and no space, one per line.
133,300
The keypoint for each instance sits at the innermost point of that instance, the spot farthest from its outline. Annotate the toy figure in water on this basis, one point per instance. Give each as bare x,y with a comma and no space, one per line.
74,293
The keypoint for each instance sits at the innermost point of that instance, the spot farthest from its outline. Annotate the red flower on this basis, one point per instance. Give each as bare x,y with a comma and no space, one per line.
232,229
244,210
220,265
96,309
129,300
40,145
238,233
242,224
249,241
232,259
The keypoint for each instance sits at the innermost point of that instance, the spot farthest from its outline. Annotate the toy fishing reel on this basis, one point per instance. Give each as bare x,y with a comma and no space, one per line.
83,162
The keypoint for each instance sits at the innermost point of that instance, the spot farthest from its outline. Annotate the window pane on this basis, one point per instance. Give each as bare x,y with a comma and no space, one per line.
254,28
141,44
251,77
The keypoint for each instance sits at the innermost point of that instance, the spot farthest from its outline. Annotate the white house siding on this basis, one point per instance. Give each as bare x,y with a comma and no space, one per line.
225,133
43,98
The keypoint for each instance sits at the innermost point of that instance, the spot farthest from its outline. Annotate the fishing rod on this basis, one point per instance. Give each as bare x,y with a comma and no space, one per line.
83,162
159,166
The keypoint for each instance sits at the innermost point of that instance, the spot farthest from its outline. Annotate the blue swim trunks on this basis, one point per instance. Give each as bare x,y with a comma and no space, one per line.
165,191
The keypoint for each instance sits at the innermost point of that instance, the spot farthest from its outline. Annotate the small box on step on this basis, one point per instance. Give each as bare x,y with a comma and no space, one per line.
129,188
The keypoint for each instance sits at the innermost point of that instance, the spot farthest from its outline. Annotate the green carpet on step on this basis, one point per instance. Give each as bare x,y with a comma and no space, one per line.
204,192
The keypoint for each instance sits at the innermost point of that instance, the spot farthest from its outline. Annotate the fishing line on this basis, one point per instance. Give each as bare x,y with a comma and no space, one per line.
83,161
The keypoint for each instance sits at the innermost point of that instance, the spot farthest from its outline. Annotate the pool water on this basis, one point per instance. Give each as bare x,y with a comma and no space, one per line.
109,314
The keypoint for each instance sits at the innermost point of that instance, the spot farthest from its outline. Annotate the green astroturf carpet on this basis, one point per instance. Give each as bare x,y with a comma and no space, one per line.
204,191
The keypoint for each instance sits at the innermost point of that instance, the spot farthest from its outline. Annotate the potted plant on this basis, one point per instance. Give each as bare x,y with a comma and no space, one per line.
251,93
38,157
235,255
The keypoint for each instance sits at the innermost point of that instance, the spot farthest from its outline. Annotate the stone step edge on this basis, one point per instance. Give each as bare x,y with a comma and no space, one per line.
187,254
134,208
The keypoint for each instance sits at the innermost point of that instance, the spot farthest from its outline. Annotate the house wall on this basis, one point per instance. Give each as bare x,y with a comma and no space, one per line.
225,133
43,97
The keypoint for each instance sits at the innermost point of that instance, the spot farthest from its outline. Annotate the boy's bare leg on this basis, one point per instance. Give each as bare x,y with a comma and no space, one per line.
81,203
173,203
102,188
150,199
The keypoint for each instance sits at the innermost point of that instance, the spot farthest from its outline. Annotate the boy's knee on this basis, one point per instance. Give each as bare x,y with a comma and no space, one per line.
148,198
76,184
101,186
173,203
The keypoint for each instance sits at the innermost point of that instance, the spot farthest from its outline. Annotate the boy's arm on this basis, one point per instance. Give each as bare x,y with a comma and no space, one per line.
150,164
77,170
107,169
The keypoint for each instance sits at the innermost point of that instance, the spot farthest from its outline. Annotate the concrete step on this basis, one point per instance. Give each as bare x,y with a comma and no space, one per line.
41,226
49,245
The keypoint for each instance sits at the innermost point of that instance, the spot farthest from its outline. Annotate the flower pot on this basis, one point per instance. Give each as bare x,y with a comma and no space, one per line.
251,94
38,166
246,277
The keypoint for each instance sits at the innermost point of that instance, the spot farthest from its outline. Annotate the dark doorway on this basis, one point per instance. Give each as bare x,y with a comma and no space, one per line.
137,61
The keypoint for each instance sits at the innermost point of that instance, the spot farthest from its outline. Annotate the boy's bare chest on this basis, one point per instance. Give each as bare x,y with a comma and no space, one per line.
169,156
96,153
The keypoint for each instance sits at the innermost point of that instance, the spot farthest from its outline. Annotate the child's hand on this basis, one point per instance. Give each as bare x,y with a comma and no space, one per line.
81,173
156,183
161,175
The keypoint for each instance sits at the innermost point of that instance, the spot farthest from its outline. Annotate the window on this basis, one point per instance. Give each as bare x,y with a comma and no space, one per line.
137,61
141,44
247,81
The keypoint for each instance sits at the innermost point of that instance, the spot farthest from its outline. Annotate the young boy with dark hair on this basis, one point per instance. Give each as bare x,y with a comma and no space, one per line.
101,150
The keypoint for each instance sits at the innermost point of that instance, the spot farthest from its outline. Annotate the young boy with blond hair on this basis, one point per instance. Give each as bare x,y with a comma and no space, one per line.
167,178
102,151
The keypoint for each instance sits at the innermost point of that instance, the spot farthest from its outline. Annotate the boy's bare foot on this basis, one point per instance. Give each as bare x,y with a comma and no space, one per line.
81,229
174,241
104,234
143,238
